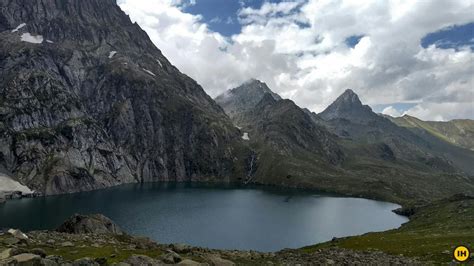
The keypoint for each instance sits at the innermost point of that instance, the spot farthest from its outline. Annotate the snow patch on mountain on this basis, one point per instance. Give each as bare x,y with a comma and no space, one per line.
27,37
7,184
149,72
19,27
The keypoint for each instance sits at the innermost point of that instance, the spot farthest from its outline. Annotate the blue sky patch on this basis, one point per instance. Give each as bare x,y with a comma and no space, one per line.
451,37
221,15
352,41
400,107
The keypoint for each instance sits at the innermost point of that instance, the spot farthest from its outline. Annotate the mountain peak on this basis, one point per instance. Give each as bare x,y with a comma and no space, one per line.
253,81
255,86
349,97
347,106
245,97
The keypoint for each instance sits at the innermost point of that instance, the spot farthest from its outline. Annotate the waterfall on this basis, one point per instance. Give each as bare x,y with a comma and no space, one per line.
249,174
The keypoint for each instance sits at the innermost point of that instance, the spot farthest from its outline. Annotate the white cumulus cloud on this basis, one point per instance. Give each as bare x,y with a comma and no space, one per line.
298,48
391,111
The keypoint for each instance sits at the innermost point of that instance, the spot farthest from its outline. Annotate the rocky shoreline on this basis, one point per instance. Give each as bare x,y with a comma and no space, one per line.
12,195
96,240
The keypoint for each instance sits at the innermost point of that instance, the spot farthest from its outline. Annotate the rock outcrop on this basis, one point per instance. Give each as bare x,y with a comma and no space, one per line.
87,101
89,224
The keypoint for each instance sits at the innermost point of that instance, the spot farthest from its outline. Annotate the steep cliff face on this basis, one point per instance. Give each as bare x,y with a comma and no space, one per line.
87,101
291,149
289,131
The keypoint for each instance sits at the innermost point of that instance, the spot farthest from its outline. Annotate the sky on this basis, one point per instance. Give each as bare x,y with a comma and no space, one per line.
412,57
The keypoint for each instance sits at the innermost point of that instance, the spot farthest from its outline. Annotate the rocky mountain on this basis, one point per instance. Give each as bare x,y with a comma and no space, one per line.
459,132
347,148
87,101
375,136
348,106
244,97
285,127
282,134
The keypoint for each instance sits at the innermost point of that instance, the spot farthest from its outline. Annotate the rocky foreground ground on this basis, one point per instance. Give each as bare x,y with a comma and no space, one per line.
96,240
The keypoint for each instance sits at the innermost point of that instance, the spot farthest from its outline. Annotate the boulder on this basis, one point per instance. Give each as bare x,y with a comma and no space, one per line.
85,262
25,259
190,263
48,262
11,241
180,248
67,244
18,251
38,251
89,224
140,260
171,257
55,258
18,234
218,261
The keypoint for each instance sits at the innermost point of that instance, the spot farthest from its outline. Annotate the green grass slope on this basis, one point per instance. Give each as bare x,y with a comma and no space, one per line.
459,132
432,233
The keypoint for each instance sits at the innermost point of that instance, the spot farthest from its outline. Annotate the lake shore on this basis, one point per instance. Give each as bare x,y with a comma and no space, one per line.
94,245
261,218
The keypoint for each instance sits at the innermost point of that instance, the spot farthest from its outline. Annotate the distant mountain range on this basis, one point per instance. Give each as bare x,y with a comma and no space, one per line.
87,102
459,132
349,148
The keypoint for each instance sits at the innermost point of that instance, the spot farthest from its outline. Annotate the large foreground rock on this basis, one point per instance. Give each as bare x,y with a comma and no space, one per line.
89,224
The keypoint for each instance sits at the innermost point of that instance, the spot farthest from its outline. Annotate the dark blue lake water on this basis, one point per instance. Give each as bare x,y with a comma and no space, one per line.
213,216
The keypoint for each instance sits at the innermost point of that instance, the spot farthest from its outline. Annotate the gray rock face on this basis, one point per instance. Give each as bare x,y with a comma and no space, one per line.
347,147
96,104
350,119
285,138
244,97
89,224
280,124
290,131
348,106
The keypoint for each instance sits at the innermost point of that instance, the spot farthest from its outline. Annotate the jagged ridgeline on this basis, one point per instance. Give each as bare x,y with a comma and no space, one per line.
87,101
347,148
